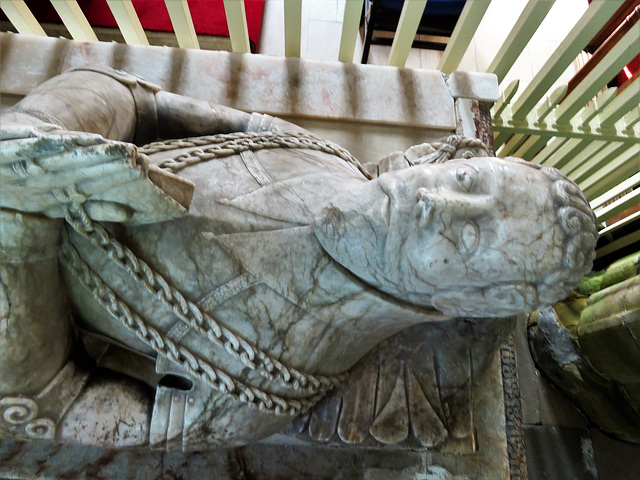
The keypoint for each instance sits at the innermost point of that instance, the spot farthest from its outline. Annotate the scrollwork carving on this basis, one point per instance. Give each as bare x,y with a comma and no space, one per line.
17,410
19,419
40,428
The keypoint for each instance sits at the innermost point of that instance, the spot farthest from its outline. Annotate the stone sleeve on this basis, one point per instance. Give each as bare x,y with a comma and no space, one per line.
35,334
85,101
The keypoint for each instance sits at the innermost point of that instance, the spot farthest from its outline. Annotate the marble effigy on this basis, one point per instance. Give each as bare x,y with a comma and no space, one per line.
299,263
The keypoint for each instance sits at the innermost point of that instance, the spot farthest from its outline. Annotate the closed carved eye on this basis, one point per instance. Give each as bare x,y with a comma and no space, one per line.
469,238
465,177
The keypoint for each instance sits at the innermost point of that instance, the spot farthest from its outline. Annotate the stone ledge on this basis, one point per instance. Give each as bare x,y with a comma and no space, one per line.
474,85
278,86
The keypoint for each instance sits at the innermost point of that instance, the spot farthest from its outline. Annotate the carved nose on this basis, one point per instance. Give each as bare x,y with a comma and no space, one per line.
452,204
426,205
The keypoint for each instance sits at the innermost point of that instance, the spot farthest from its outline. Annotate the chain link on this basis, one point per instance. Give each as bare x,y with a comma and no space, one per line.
447,147
195,365
191,314
224,145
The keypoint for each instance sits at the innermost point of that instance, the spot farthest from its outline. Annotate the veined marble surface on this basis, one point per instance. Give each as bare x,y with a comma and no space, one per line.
293,261
249,82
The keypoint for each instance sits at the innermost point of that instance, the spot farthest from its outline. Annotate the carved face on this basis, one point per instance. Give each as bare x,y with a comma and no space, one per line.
467,222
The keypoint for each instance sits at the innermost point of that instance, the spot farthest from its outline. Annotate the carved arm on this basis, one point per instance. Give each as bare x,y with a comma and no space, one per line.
120,106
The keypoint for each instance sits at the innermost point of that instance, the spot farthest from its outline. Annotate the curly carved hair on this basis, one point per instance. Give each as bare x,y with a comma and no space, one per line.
579,236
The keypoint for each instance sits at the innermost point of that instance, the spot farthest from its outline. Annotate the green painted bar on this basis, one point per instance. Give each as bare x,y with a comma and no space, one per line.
21,17
237,24
623,103
292,27
565,153
632,118
406,32
505,98
587,26
618,173
608,154
597,105
128,22
618,244
630,182
182,23
73,18
462,35
530,19
531,147
620,205
589,150
568,131
551,102
553,145
622,223
499,138
619,56
510,147
626,164
350,25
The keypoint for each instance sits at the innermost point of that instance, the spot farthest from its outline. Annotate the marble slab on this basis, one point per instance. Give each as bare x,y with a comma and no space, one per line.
274,85
474,85
27,61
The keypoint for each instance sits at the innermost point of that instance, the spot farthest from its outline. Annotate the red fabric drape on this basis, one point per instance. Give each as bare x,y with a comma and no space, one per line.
208,15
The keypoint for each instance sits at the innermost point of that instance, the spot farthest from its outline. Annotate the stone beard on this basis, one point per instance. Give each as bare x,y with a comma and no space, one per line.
291,264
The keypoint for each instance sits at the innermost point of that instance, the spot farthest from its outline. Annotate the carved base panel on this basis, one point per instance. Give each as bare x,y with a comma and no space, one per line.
414,391
283,456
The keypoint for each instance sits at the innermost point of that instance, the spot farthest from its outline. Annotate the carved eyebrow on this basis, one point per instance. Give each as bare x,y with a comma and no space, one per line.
469,164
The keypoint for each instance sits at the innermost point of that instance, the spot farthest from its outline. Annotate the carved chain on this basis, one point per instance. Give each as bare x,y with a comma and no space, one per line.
314,386
447,147
224,145
190,313
194,364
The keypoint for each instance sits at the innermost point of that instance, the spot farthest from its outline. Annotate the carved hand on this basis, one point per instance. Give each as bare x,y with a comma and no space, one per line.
43,170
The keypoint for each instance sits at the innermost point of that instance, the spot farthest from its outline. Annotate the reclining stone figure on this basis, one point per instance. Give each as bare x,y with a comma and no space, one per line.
218,326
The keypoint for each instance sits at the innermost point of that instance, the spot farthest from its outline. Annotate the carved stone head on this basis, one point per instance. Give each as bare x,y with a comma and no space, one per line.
471,237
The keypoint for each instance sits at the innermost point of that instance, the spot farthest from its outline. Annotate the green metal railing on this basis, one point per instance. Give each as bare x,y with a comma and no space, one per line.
592,133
